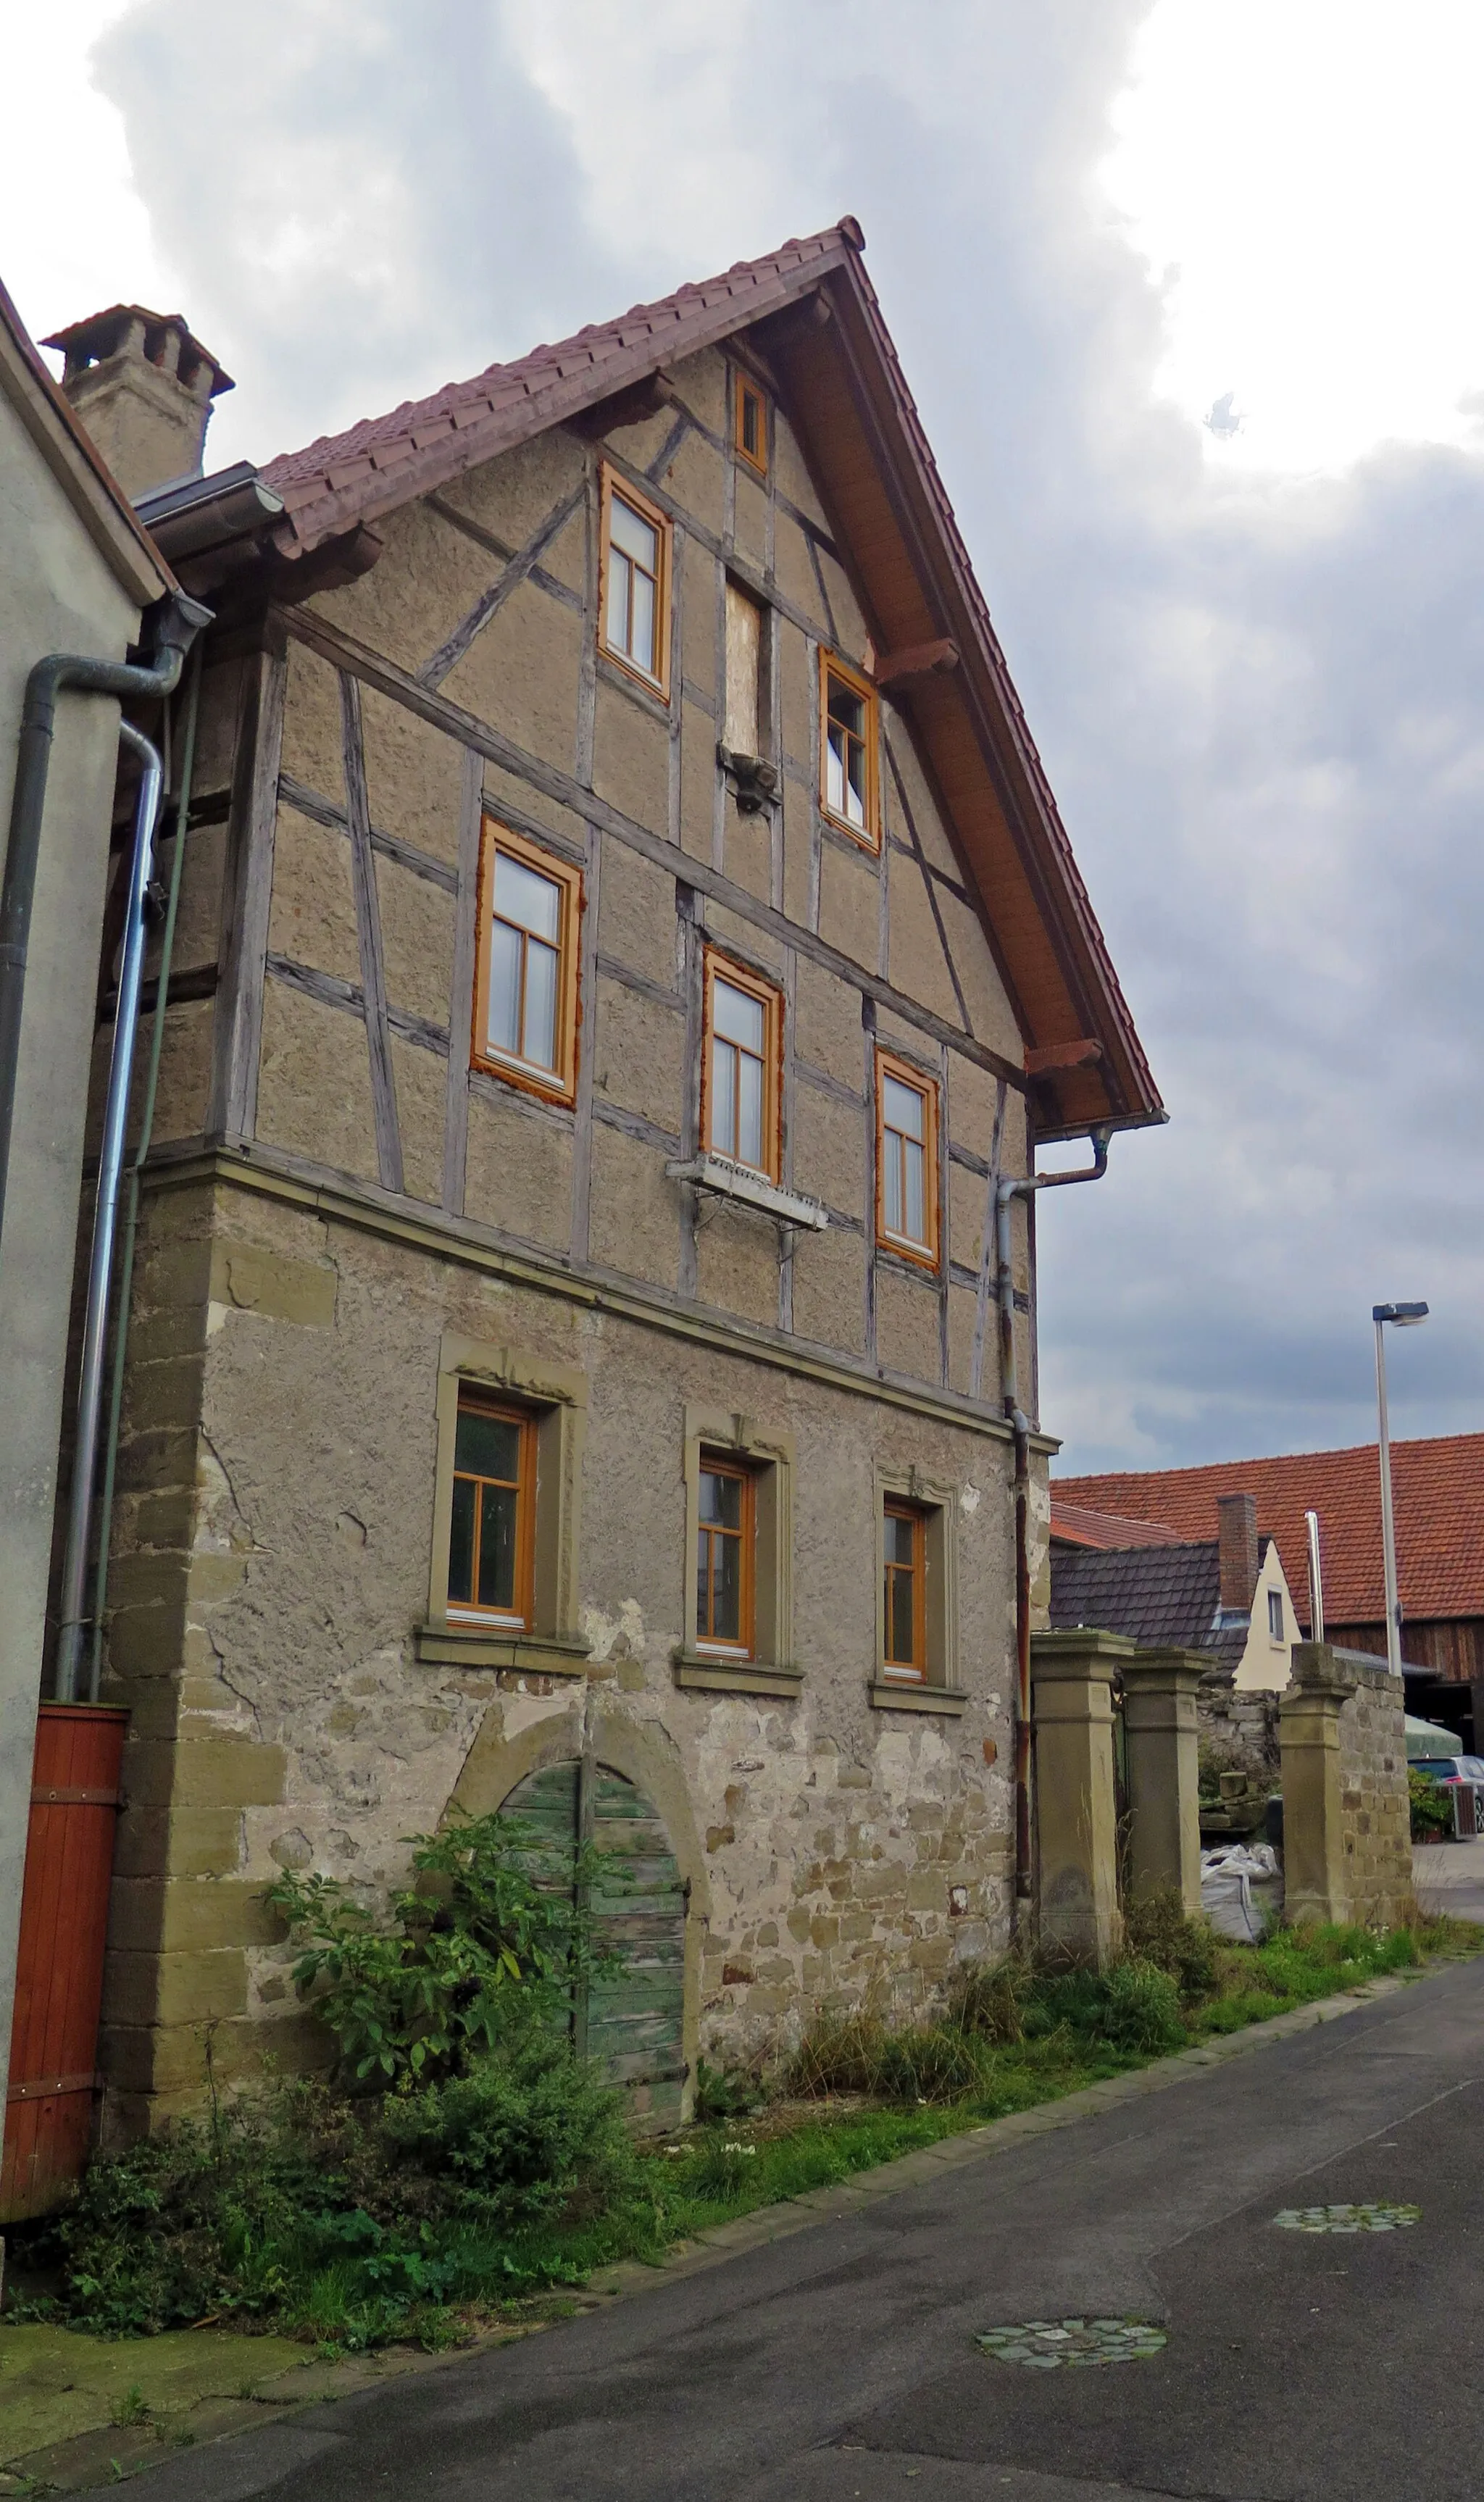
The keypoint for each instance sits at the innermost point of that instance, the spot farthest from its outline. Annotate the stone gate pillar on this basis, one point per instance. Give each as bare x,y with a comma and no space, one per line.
1159,1728
1314,1881
1071,1675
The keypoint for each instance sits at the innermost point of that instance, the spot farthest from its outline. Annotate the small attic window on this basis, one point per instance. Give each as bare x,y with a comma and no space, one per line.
750,426
1275,1615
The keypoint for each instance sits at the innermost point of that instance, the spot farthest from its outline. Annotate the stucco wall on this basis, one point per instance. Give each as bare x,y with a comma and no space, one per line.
589,1182
1266,1664
56,594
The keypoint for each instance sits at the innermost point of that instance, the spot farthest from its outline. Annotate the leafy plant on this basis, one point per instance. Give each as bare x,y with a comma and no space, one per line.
725,2093
1432,1807
488,1932
1159,1931
526,2132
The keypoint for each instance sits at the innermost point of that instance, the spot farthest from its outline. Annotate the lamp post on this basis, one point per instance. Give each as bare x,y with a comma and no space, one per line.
1399,1316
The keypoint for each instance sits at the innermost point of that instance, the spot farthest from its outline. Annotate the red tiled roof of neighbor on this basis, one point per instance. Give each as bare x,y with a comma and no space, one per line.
1076,1524
862,437
1438,1492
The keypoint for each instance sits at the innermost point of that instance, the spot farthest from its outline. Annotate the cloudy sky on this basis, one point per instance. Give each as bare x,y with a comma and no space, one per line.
1255,665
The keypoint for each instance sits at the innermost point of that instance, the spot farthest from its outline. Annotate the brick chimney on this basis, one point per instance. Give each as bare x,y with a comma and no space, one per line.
142,388
1236,1516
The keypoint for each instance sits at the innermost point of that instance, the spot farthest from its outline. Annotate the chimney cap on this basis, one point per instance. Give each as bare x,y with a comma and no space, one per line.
102,334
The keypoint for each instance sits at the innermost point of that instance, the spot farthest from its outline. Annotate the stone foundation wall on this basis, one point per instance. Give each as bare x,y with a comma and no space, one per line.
1375,1821
276,1517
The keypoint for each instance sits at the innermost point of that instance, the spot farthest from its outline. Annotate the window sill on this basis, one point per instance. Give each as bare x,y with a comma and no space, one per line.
885,1696
486,1646
704,1672
727,1180
629,679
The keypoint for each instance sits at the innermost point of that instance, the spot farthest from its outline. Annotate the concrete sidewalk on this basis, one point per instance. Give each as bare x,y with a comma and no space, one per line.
840,2361
1449,1877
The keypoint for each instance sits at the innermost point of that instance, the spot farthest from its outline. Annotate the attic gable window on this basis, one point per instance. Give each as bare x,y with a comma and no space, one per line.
635,591
750,422
847,735
526,991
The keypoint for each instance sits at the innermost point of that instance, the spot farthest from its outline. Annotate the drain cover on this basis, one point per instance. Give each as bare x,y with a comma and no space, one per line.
1375,2216
1045,2344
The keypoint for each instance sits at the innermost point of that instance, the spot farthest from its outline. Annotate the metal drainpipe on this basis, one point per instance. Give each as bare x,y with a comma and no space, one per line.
177,625
136,1168
115,1113
1008,1191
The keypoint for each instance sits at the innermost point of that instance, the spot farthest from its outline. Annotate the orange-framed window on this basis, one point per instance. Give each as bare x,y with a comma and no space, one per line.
906,1159
750,422
634,585
526,992
727,1557
741,1067
848,744
491,1532
905,1594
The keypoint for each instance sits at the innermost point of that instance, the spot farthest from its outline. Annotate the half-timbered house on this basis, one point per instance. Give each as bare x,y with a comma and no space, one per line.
627,936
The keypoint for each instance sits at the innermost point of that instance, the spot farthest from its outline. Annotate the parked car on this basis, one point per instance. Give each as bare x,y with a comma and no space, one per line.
1449,1767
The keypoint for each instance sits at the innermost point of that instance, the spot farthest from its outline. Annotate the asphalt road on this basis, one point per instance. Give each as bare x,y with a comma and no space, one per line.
840,2363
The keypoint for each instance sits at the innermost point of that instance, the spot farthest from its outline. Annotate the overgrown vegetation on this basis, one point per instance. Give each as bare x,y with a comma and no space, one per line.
1432,1805
418,2195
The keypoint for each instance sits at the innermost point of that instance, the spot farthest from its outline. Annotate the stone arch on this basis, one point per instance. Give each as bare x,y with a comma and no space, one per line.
646,1755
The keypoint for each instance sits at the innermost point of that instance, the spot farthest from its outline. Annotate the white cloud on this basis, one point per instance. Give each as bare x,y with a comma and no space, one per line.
1308,180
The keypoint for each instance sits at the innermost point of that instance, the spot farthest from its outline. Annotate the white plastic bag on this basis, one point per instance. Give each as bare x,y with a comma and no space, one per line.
1241,1889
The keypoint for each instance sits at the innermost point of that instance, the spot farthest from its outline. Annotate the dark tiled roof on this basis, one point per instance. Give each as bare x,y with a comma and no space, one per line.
1164,1594
1438,1491
1077,1524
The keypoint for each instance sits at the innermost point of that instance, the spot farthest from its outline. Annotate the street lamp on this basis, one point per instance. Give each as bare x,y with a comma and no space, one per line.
1399,1316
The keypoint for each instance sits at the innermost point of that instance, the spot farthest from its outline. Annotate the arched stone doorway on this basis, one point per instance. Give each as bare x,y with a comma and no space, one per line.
629,2015
594,1774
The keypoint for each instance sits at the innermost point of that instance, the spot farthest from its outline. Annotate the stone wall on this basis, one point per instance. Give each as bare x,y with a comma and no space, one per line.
270,1638
1375,1821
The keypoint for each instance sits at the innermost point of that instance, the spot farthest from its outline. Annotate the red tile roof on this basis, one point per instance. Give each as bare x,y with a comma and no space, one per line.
1077,1524
378,463
1438,1492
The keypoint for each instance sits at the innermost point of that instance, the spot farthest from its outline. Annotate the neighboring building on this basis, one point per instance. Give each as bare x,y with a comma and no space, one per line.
1226,1594
76,573
1438,1496
626,935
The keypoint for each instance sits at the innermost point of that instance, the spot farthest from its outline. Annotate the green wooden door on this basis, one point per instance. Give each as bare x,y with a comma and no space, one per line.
630,2017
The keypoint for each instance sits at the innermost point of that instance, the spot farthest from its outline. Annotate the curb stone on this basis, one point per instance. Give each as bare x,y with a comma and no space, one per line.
974,2145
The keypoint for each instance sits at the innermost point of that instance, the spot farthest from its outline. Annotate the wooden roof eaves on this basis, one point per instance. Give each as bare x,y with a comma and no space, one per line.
983,680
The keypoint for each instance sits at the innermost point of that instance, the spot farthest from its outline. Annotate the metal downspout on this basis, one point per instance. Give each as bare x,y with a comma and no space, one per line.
105,1216
1008,1191
133,1185
176,628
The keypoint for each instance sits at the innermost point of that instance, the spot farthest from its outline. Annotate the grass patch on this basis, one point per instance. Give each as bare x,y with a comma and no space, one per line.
436,2208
